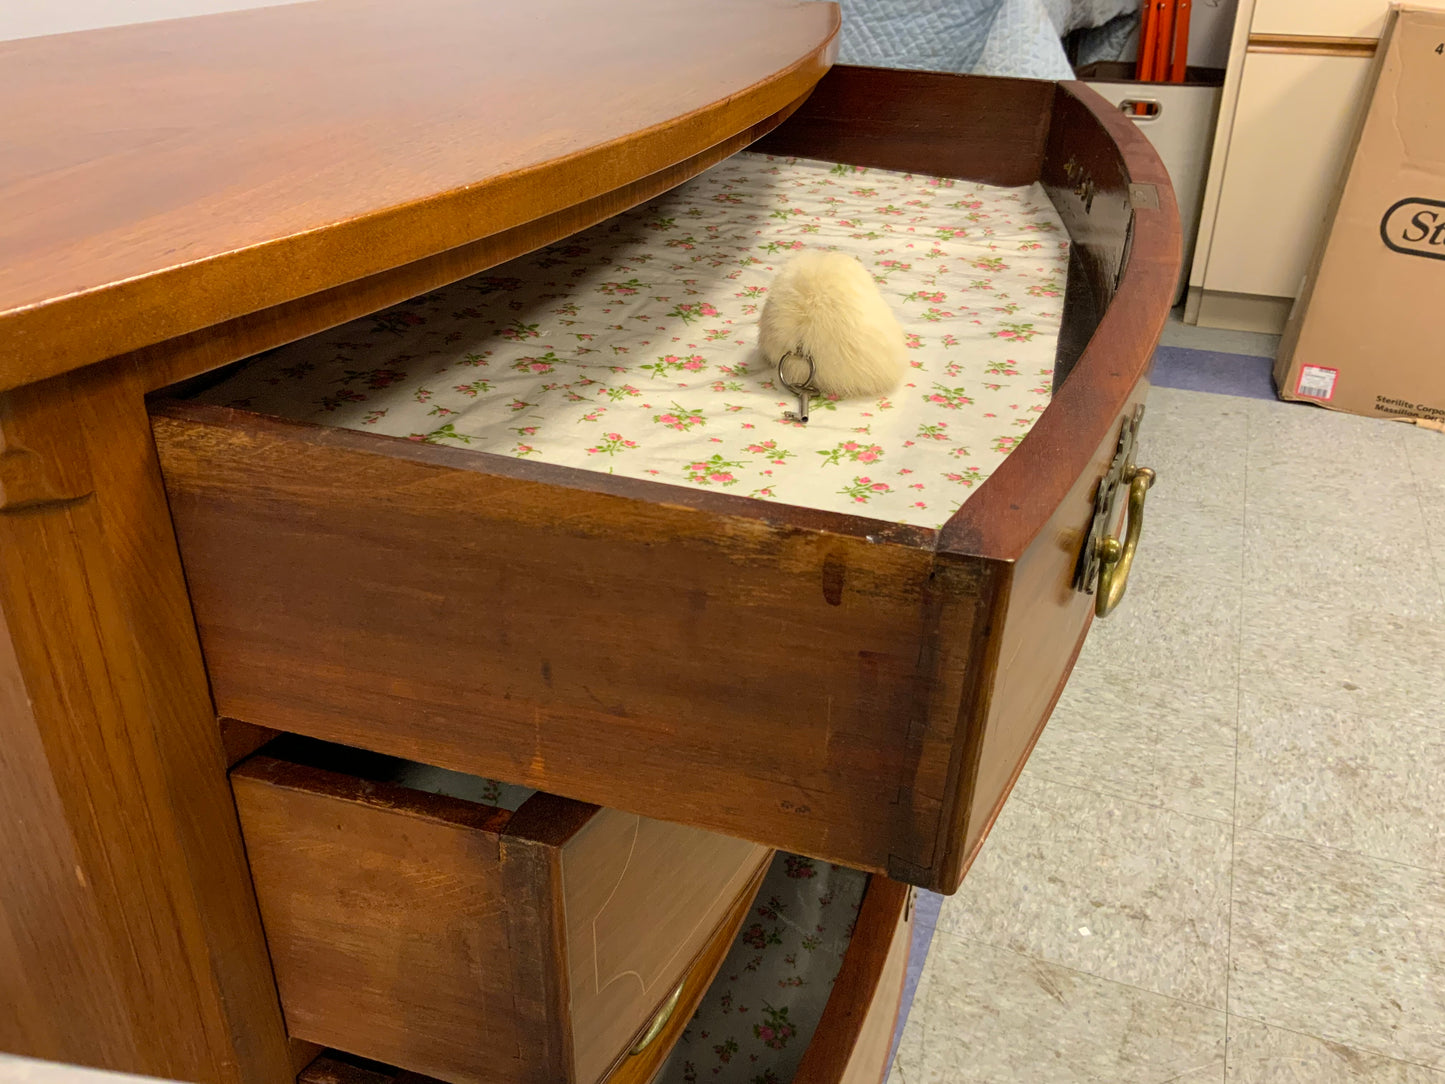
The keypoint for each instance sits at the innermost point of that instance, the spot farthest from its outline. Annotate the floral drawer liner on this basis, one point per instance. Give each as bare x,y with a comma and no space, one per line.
759,1015
631,348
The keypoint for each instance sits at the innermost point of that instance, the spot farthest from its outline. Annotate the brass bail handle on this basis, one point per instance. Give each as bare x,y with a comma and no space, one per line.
659,1022
1115,559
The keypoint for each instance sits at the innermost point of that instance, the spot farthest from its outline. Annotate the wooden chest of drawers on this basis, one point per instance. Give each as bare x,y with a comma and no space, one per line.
194,192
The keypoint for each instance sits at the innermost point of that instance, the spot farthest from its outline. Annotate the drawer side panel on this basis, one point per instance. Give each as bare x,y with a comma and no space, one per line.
387,926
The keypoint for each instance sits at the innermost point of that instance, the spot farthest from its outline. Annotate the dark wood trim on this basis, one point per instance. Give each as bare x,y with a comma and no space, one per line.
977,129
239,740
854,990
288,774
1012,506
1029,518
532,877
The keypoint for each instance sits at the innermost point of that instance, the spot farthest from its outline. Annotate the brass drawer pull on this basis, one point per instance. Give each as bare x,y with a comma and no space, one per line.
659,1022
1115,559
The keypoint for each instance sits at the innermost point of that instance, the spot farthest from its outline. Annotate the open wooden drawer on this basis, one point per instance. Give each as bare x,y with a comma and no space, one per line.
558,628
472,942
848,1043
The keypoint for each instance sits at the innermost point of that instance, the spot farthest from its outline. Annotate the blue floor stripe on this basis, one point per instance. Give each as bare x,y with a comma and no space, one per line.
1212,371
925,917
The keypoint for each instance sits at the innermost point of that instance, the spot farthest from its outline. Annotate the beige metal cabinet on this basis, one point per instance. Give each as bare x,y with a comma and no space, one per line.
1299,73
1320,18
1181,127
1292,129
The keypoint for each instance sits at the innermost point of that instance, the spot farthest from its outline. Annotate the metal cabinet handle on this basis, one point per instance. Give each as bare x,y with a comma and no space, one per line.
1142,110
1115,558
659,1022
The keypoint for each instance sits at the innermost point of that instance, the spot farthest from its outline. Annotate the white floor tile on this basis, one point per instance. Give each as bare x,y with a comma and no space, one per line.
1158,745
1105,886
1368,784
997,1017
1260,1054
1348,948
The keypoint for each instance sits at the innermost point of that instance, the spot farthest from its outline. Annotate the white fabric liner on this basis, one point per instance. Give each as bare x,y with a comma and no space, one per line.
631,347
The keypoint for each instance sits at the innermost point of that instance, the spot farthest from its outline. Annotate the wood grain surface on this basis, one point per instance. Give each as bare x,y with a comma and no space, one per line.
575,647
180,178
988,130
561,629
200,351
129,938
640,898
1031,515
855,1031
641,1067
333,1067
386,917
165,177
467,942
869,1062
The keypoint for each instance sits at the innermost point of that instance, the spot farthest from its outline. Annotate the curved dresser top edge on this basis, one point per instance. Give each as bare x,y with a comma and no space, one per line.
142,264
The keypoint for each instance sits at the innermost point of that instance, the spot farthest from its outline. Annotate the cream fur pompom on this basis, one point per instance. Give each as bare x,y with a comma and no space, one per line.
826,305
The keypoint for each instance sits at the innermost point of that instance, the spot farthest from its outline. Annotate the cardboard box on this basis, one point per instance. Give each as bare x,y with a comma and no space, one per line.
1365,335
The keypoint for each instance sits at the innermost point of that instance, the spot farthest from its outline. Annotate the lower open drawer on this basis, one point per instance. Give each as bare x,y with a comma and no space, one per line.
735,1038
465,940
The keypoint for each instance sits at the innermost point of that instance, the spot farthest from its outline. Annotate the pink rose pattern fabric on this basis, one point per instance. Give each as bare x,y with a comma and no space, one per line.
630,348
760,1013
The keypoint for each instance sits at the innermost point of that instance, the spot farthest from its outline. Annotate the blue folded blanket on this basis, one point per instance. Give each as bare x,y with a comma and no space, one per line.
990,37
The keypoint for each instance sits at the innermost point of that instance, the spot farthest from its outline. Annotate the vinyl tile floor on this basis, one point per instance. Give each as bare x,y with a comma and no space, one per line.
1225,860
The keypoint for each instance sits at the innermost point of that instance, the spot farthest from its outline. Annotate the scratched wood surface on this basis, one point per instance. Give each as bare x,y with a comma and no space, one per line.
640,899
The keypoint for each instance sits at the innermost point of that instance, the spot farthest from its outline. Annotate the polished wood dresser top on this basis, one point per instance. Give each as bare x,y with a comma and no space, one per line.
164,177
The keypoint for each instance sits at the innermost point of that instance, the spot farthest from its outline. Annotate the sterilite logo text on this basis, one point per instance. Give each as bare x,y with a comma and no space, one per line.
1415,227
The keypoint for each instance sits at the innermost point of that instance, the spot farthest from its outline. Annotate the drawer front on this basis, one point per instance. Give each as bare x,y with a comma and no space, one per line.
1320,18
641,898
650,1050
468,943
1292,130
